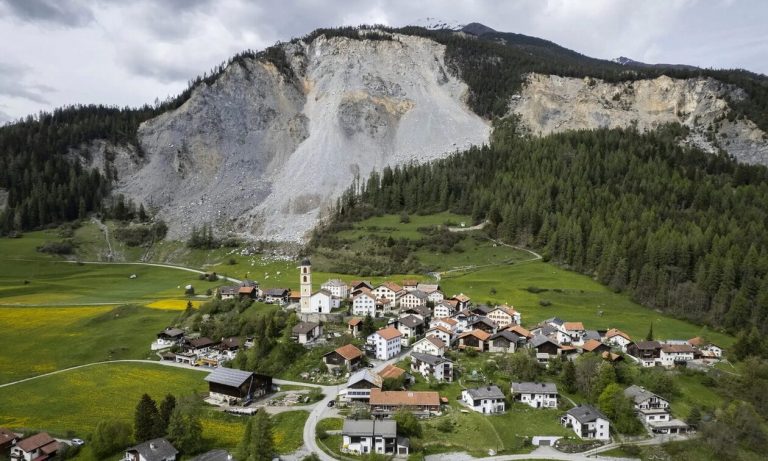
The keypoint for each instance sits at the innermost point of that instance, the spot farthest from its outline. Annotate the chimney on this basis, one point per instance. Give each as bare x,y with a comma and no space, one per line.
152,446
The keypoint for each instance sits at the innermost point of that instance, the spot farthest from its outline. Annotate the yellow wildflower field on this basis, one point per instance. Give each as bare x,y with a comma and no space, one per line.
173,304
30,318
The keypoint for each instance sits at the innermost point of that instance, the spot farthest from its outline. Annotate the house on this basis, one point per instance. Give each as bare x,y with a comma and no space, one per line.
232,386
152,450
707,349
480,310
323,302
593,345
305,332
504,316
390,291
544,345
432,367
422,312
443,309
386,403
575,332
386,343
337,288
294,297
431,345
441,332
213,455
353,326
413,298
248,292
445,322
169,337
462,301
372,436
384,306
505,341
7,439
648,352
347,356
364,303
228,292
276,295
520,331
360,384
592,334
475,339
587,422
356,286
410,285
617,338
462,318
675,354
649,406
391,371
536,395
228,347
38,447
482,323
410,326
435,296
486,399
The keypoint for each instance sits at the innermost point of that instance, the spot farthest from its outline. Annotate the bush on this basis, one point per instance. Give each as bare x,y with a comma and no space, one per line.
534,289
545,303
57,248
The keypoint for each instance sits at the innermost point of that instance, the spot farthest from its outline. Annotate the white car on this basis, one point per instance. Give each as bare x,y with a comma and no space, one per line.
77,442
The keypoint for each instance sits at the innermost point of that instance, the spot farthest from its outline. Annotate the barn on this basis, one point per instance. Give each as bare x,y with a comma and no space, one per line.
231,386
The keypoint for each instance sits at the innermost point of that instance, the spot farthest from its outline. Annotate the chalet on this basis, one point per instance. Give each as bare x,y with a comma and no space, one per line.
7,439
443,309
38,447
422,312
294,296
390,291
504,316
505,341
520,331
248,292
482,323
152,450
360,384
611,357
432,367
431,345
356,286
231,386
462,301
474,339
410,285
305,332
228,292
486,400
391,371
544,345
170,337
481,310
675,354
276,295
649,406
386,403
536,395
353,326
445,322
592,334
194,348
587,422
648,352
228,347
364,303
462,318
707,349
549,331
617,338
413,298
323,302
386,343
575,332
434,295
365,436
441,332
348,357
384,306
337,288
595,346
410,326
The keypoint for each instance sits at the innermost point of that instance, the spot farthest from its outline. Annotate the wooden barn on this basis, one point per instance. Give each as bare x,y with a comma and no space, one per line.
231,386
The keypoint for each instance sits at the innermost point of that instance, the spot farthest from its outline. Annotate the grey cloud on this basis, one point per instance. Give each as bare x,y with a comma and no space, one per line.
4,118
13,83
67,13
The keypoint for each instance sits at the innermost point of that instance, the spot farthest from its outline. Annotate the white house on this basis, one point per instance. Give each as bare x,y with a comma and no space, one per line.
441,332
152,450
360,384
487,400
337,288
649,406
431,345
323,302
504,316
373,436
445,322
587,422
433,292
675,354
432,367
707,349
38,446
443,309
306,332
386,343
536,395
617,338
389,290
575,331
364,303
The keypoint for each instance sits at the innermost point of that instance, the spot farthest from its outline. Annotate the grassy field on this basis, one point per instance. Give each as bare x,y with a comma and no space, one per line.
287,430
390,225
39,340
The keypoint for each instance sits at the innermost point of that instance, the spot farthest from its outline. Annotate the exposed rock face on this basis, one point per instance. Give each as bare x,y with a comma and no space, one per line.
550,104
263,155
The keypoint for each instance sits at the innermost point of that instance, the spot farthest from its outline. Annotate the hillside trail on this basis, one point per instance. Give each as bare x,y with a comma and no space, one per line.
104,230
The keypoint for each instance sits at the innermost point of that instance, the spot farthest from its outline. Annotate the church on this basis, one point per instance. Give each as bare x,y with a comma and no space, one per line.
319,302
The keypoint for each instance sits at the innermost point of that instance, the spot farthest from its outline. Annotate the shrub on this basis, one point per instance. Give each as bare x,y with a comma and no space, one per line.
545,303
57,248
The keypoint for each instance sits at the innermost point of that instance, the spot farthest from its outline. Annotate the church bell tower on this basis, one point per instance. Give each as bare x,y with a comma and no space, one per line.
305,282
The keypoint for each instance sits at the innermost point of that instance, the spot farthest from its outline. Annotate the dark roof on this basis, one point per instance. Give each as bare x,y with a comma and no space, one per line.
229,377
486,392
586,413
367,427
546,329
418,293
171,332
648,345
213,455
249,283
482,308
228,290
508,335
421,310
534,388
592,334
484,320
411,321
555,320
202,342
276,292
156,449
233,342
304,327
538,340
6,436
430,359
306,262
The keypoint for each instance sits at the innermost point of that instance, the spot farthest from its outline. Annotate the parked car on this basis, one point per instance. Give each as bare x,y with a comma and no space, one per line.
331,403
77,442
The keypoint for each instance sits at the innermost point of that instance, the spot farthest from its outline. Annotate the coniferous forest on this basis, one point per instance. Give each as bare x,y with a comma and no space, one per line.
676,228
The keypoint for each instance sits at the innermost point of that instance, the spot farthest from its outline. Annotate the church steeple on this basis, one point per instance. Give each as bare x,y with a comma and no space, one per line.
305,282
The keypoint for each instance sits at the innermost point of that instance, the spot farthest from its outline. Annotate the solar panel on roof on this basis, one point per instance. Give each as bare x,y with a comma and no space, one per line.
228,377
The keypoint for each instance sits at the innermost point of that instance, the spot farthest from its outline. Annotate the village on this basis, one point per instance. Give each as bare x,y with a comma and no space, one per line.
404,338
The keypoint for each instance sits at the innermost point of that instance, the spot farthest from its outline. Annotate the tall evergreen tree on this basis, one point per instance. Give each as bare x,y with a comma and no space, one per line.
147,421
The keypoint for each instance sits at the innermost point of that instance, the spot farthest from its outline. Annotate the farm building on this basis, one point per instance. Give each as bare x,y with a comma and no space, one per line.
231,386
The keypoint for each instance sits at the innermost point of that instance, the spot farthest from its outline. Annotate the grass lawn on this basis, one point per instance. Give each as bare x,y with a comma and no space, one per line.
390,225
330,424
39,340
288,430
694,391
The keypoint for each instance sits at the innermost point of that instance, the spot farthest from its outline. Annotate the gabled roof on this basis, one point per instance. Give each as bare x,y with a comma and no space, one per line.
410,283
538,340
172,332
533,388
365,375
520,330
440,328
323,292
246,290
35,442
388,333
303,328
334,283
411,321
228,290
249,283
449,321
592,334
486,392
616,332
229,376
645,345
435,340
555,321
364,292
461,297
398,398
349,352
510,336
479,334
392,286
360,283
677,349
586,413
639,394
482,309
155,450
591,345
202,342
430,359
428,287
484,320
213,455
573,326
6,436
418,294
279,292
391,371
366,428
354,321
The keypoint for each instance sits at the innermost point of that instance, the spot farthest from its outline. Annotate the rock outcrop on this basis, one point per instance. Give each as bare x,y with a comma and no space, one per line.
549,104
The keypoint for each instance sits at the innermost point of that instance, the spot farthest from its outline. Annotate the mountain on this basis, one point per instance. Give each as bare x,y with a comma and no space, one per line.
625,61
262,147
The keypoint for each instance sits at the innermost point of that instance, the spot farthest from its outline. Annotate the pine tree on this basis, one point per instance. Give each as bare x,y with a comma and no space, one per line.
147,421
258,442
166,409
649,336
185,431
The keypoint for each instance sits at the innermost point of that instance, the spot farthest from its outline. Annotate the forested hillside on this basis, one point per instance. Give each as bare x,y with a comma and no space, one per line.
679,229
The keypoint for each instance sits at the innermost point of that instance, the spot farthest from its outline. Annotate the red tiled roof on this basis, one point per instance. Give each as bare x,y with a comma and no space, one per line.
349,352
573,326
410,398
591,344
354,322
245,290
391,371
389,333
616,332
34,442
520,330
479,334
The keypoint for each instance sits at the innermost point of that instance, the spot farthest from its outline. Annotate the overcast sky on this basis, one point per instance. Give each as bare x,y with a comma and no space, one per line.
58,52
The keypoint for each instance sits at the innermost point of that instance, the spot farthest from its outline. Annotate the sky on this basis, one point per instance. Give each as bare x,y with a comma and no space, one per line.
132,52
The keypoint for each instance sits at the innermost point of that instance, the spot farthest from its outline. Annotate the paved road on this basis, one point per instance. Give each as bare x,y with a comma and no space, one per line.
169,266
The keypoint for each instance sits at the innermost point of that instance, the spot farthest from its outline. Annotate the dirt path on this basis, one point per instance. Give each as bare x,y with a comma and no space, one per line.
105,230
169,266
